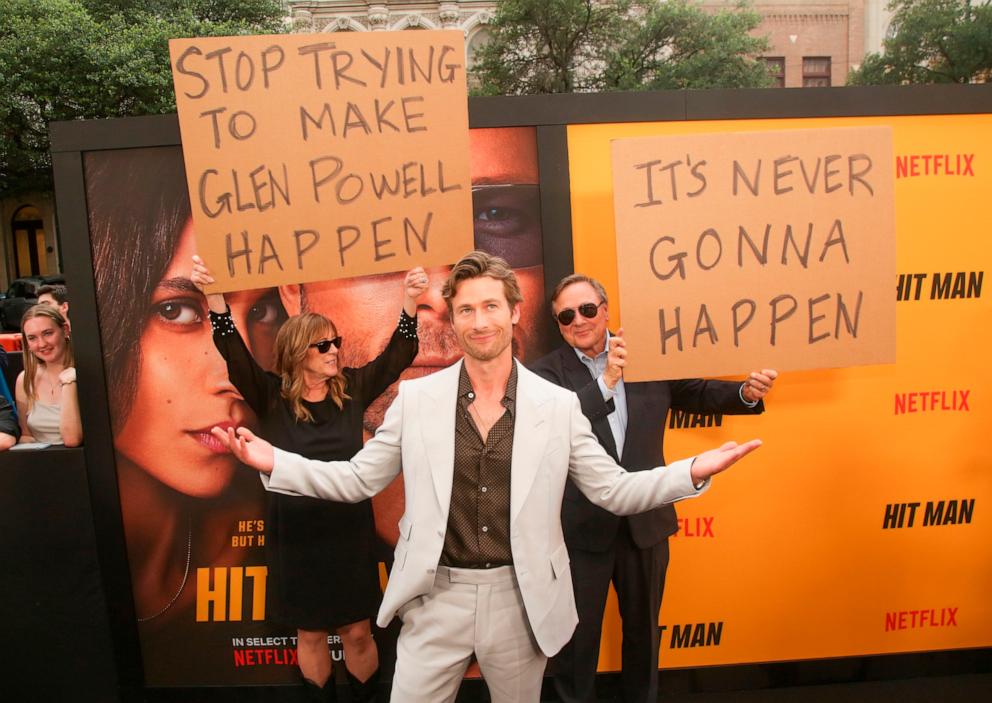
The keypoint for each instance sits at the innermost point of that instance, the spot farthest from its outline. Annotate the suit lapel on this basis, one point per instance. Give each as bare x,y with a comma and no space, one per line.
530,435
577,375
438,405
635,394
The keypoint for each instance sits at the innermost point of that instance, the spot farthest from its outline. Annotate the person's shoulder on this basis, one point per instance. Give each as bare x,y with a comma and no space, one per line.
535,383
446,375
552,359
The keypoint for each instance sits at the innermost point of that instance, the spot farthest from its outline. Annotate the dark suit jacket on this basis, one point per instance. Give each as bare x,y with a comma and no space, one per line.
588,526
8,419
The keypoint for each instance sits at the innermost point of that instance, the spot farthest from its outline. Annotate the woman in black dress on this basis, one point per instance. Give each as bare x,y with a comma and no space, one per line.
322,577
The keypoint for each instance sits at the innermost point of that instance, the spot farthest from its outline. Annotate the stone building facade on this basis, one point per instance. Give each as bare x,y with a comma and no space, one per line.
813,42
470,16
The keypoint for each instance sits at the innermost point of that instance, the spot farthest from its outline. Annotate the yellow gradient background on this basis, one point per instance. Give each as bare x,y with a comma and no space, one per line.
800,566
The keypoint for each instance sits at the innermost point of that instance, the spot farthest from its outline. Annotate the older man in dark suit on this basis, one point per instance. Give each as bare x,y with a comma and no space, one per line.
629,421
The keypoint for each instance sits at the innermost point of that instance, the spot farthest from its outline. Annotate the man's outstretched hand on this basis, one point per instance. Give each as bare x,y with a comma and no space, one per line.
248,448
714,461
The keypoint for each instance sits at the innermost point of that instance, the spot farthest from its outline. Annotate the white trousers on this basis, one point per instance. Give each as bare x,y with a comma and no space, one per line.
467,611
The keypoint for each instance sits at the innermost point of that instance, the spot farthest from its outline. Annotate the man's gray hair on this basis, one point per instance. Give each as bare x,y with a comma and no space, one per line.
580,278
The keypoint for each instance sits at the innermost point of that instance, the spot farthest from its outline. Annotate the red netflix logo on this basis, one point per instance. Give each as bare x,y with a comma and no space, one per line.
283,656
919,619
695,527
914,165
932,401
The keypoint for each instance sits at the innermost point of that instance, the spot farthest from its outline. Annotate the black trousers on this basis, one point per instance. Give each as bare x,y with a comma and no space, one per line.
638,576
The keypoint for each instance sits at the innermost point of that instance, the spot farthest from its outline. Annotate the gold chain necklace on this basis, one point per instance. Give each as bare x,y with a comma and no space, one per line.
52,388
182,585
484,424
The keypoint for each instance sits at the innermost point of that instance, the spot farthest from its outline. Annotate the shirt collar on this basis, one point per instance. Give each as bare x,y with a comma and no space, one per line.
606,347
466,394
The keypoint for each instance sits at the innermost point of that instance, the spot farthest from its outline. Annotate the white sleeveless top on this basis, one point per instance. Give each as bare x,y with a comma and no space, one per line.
44,423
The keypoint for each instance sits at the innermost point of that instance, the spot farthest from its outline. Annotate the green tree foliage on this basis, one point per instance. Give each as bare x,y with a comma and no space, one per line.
562,46
70,59
933,41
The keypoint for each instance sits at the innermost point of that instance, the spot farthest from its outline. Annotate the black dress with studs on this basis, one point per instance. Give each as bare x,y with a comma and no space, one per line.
322,573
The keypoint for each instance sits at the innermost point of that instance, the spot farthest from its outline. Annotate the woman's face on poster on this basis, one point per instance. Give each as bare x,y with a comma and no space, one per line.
182,385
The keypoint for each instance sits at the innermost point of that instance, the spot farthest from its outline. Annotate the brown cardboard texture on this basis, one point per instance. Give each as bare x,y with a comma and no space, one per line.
743,251
310,157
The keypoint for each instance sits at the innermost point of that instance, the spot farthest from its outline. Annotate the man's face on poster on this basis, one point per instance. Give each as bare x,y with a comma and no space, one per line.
506,222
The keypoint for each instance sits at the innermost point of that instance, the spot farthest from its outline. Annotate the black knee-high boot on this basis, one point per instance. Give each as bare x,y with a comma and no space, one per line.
364,691
327,693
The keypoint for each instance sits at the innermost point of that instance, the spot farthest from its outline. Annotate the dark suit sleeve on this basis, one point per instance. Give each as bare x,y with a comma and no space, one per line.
377,375
708,396
255,385
8,422
590,396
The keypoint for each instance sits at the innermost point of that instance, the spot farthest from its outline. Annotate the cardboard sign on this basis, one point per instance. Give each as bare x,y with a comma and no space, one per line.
755,250
311,157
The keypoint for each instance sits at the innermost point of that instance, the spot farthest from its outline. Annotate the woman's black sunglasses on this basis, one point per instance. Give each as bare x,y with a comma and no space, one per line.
324,345
588,310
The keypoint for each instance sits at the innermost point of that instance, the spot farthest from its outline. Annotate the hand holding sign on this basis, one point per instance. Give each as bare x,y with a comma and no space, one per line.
202,279
415,285
758,384
616,359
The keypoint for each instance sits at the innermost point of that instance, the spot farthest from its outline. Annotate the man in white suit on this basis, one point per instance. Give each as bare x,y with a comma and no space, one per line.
485,447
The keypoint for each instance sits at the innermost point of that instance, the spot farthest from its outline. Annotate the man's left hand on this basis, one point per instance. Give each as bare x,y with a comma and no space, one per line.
714,461
758,384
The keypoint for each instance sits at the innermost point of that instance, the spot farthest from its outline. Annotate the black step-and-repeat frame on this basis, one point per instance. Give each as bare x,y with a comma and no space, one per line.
180,628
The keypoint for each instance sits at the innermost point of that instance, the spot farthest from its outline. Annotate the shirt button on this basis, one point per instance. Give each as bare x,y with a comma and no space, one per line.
471,395
488,564
485,529
484,489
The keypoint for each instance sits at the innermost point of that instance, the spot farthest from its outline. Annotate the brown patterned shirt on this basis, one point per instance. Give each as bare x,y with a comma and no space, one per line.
478,535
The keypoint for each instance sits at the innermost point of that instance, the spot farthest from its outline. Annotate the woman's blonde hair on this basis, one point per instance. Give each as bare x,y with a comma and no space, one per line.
31,362
292,344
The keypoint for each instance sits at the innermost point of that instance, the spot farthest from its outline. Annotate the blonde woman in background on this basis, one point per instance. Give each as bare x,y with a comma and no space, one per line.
47,402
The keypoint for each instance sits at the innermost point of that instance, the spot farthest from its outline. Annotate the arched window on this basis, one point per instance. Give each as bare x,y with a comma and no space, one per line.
28,245
479,39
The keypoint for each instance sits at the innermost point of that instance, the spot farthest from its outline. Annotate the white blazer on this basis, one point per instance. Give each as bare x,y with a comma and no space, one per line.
552,442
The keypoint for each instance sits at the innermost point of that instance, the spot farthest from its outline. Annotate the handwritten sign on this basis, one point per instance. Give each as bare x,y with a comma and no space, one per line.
755,250
312,157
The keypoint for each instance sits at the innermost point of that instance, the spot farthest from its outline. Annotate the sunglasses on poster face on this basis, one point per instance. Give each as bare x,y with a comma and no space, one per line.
567,316
324,345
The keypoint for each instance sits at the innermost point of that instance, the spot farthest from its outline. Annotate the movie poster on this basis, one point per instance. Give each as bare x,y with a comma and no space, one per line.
194,519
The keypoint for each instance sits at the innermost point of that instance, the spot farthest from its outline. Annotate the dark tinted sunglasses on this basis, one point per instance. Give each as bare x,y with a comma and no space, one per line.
324,345
588,310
